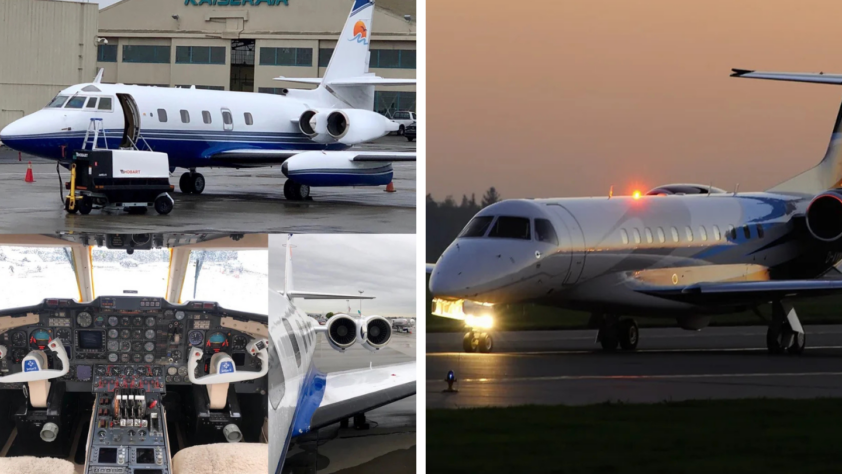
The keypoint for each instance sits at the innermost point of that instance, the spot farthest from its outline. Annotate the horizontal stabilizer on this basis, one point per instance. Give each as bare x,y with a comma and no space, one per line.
816,78
367,80
309,295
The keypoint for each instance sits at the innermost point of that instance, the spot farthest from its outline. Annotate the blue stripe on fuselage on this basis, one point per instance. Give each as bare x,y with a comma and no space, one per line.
309,399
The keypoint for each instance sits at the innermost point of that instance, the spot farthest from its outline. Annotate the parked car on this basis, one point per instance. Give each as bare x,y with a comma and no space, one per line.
409,133
404,119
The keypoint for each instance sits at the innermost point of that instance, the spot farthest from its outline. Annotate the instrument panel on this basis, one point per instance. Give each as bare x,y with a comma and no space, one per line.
130,335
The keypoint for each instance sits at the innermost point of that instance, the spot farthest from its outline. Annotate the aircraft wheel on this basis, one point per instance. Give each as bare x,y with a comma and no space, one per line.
184,184
485,343
163,205
401,130
629,334
85,205
775,338
298,192
67,206
197,183
799,342
470,342
288,189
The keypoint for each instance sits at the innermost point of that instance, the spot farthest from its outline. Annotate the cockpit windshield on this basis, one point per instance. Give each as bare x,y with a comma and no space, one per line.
510,227
57,102
75,103
31,274
506,227
477,226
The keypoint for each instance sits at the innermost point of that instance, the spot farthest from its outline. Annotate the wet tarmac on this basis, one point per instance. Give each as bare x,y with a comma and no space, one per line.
387,446
566,367
235,201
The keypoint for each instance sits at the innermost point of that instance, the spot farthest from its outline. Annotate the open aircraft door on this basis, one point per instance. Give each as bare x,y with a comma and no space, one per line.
576,243
131,121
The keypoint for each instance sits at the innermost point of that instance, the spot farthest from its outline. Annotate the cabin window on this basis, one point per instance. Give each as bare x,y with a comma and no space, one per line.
732,232
303,335
759,231
185,116
661,237
162,115
689,232
477,226
511,228
206,116
545,232
624,235
674,233
636,234
226,117
249,119
91,103
747,231
277,384
716,234
75,103
648,235
58,102
703,234
294,342
104,103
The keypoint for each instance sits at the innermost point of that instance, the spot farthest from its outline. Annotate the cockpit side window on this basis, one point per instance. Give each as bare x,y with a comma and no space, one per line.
75,103
477,226
57,102
545,232
104,103
91,103
507,227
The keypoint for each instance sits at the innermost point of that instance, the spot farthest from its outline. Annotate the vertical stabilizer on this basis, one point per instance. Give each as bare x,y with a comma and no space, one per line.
351,56
288,269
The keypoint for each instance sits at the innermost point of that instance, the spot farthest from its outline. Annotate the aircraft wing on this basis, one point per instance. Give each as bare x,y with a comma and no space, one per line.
256,158
309,295
723,292
816,78
358,391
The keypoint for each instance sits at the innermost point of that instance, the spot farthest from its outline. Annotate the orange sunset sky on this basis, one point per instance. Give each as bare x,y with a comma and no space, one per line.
566,98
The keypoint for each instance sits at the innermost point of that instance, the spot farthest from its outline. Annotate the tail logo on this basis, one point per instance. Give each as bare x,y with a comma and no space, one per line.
360,33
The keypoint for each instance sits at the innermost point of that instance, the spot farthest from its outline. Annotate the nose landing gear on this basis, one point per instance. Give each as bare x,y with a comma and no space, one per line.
475,341
613,332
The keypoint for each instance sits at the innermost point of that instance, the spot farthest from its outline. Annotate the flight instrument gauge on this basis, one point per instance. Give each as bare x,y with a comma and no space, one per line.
156,371
136,358
125,346
18,355
125,321
149,358
63,334
84,319
179,315
195,338
40,338
19,339
113,334
100,370
137,321
150,322
216,342
99,321
126,334
150,334
113,321
113,357
240,342
149,346
114,346
168,314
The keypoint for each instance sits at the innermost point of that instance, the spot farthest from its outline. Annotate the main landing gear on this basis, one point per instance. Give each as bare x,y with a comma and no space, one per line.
785,333
296,191
475,341
615,332
192,182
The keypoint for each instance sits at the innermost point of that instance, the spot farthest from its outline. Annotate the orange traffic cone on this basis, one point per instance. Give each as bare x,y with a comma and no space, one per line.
29,178
390,188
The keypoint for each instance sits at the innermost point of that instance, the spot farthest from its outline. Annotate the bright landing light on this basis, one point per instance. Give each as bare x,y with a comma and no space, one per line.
482,322
636,194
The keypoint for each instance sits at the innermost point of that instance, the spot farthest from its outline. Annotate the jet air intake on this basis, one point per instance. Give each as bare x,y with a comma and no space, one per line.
353,126
342,331
375,333
824,217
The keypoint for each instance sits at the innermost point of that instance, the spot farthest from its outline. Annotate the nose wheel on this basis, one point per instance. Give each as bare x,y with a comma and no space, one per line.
614,332
474,341
295,191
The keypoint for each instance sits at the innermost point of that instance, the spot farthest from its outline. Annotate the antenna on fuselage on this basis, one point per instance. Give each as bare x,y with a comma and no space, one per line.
611,192
736,188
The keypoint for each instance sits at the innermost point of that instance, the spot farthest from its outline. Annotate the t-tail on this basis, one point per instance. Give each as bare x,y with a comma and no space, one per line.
828,173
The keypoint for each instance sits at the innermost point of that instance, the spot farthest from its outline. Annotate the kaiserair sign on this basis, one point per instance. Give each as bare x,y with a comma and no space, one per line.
235,3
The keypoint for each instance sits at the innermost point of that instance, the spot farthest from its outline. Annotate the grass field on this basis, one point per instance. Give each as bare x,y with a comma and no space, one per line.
696,437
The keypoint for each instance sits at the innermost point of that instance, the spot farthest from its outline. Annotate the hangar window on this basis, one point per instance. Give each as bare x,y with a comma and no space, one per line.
162,115
58,102
206,116
624,236
511,228
636,234
716,234
393,58
674,233
477,226
389,102
703,234
747,231
104,103
324,56
199,55
75,103
545,232
648,233
91,103
759,231
249,119
146,54
294,342
107,53
689,232
286,56
185,116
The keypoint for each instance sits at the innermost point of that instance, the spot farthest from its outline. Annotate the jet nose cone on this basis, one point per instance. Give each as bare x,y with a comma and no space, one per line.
452,273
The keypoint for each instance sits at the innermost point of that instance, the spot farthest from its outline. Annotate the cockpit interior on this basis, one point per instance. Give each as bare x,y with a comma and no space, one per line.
132,382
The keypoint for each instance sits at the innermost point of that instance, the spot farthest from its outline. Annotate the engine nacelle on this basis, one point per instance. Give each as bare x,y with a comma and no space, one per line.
375,332
353,126
342,331
313,123
336,168
824,217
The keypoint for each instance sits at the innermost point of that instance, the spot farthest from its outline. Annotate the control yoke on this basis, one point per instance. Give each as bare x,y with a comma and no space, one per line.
35,364
222,368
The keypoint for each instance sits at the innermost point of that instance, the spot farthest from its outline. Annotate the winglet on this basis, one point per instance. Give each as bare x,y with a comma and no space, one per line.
98,78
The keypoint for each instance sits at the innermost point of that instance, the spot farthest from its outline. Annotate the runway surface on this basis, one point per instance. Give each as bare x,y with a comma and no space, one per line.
246,200
388,446
566,367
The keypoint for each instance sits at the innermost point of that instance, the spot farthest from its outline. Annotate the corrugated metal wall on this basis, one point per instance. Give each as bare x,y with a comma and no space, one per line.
47,46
